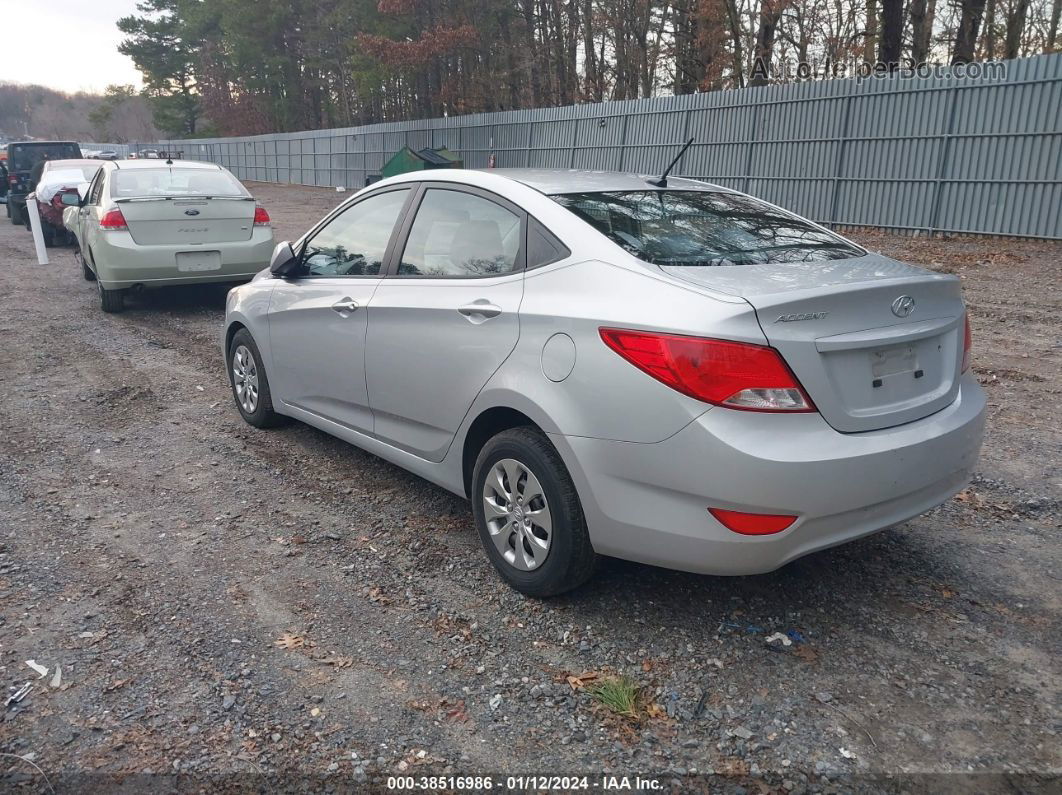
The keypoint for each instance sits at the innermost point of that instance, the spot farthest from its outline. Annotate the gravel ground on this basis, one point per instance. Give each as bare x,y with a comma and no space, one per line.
235,606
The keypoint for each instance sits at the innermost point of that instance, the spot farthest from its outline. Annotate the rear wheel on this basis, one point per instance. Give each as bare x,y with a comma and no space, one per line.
14,213
528,514
250,385
110,300
48,232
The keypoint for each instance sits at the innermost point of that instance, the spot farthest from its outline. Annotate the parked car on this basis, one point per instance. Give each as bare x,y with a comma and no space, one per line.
147,223
57,177
680,375
22,156
106,154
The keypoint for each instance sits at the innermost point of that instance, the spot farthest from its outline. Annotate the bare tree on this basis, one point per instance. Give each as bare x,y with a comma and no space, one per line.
1015,27
923,14
770,13
891,33
971,13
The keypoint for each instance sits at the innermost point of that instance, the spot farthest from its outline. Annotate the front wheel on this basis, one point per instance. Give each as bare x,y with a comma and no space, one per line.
528,514
250,385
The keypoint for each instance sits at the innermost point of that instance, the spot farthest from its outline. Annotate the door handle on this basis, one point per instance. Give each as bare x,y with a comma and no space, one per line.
345,305
482,307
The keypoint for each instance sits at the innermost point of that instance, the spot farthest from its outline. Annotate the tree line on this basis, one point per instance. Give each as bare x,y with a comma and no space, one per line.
118,116
230,67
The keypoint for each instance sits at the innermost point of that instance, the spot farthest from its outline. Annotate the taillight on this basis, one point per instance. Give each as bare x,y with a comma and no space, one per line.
733,374
113,220
12,179
752,524
967,345
261,217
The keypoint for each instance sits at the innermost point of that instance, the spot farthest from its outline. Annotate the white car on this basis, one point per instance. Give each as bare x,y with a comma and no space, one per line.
150,223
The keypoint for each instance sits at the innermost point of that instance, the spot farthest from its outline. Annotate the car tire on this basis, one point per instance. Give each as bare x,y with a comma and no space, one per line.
14,213
249,382
111,301
568,558
48,233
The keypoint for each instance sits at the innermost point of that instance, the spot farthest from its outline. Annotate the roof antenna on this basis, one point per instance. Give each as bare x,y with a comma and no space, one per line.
662,182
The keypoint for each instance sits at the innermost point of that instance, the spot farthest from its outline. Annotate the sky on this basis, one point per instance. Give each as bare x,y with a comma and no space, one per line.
69,45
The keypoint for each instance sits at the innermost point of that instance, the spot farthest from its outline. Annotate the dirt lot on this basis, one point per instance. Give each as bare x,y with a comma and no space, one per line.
248,605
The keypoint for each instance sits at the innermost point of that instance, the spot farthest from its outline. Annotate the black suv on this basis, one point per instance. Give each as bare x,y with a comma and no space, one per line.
22,156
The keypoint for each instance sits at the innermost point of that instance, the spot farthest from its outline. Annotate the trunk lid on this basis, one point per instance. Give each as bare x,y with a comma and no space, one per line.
188,221
864,365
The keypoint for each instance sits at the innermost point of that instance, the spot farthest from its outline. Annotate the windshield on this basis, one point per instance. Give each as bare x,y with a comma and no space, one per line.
162,181
701,228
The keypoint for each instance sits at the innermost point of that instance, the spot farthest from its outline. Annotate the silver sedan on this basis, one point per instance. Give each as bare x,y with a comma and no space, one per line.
666,371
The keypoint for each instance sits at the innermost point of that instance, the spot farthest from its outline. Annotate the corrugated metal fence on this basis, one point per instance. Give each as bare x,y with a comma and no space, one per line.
941,153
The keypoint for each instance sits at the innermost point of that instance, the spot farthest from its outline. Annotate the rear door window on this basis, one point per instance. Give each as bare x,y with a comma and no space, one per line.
458,234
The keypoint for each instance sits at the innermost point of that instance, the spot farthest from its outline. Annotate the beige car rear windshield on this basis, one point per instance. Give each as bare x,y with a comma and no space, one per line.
162,181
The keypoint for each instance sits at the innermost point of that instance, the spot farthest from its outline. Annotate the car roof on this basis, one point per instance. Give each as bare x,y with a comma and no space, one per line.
123,165
40,143
558,180
73,161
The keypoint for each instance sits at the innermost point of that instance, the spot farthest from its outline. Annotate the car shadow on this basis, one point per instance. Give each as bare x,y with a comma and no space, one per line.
181,299
854,582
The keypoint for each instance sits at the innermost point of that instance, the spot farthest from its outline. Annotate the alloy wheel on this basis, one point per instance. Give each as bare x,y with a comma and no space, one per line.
245,378
517,514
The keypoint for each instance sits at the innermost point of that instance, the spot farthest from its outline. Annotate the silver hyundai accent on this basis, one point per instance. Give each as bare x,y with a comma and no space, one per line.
609,364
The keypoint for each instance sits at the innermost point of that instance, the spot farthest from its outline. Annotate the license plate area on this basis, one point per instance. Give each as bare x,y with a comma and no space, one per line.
896,360
198,261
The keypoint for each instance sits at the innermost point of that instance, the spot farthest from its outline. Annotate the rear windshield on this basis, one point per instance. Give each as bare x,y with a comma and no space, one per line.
24,157
699,228
163,181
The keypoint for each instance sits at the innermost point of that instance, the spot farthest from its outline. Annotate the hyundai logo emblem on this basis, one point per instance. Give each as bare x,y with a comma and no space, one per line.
196,212
903,306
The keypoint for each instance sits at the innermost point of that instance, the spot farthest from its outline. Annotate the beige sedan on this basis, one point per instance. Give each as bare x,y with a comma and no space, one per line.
152,223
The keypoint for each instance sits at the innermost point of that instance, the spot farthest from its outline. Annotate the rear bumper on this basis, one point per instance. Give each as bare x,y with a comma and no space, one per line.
648,502
122,263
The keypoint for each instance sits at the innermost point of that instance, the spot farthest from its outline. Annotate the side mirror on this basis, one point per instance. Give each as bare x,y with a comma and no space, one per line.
283,262
70,198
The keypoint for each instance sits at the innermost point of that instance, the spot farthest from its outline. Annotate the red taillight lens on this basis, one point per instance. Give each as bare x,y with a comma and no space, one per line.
752,524
12,179
261,217
967,345
733,374
113,220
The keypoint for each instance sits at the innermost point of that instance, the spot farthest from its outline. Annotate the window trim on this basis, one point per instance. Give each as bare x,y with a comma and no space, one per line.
565,251
304,241
96,182
519,266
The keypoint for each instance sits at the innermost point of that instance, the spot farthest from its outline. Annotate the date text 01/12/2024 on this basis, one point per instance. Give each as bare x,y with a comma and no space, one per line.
522,783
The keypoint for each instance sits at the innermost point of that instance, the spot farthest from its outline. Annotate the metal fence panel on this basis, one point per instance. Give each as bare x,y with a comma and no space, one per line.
941,153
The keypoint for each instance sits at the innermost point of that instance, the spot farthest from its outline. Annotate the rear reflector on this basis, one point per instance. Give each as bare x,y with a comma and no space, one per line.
261,217
733,374
113,220
967,345
752,524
